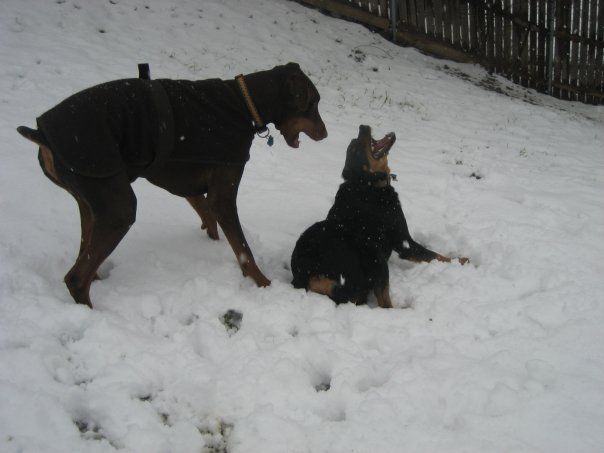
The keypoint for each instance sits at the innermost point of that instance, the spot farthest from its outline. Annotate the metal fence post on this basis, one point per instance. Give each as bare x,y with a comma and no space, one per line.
393,18
551,9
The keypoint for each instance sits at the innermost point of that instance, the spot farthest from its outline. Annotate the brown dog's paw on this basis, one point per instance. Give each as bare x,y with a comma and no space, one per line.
262,281
463,260
211,228
213,234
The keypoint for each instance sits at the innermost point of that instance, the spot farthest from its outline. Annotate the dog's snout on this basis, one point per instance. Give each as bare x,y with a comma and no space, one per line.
322,131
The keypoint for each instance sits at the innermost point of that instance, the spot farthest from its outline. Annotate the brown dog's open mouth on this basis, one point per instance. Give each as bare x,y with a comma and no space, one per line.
293,140
292,129
381,148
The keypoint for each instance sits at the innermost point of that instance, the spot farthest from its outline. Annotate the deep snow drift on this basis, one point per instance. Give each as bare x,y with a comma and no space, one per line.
505,354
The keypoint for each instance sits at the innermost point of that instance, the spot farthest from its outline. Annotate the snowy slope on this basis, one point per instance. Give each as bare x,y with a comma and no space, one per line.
505,354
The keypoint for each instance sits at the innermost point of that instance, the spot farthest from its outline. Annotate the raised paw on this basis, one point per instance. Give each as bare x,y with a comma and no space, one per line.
211,228
262,281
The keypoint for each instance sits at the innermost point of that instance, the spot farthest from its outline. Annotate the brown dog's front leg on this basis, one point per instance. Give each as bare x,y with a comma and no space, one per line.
229,222
222,197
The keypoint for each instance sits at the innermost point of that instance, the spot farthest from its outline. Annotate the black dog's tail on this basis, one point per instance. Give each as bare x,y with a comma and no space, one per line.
32,134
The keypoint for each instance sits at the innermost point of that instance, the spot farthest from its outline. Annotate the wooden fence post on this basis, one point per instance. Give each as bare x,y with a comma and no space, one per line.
551,14
393,18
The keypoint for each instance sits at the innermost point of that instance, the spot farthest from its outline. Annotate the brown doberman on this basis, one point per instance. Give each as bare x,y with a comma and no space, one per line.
191,138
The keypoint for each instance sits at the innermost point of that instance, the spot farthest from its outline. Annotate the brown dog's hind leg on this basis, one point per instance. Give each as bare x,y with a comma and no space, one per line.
112,207
208,221
86,222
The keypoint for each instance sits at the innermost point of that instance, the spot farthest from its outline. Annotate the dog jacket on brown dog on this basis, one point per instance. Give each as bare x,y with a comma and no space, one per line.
142,123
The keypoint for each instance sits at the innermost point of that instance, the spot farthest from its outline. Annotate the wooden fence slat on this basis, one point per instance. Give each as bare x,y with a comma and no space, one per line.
488,30
575,47
419,12
597,33
515,43
593,34
429,7
478,17
456,38
601,51
573,68
542,39
447,21
530,44
437,15
498,28
464,15
442,20
506,39
384,10
560,50
413,15
472,28
523,44
601,56
567,76
401,12
584,49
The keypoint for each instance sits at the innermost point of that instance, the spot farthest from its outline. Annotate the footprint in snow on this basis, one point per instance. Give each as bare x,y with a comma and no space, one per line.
232,321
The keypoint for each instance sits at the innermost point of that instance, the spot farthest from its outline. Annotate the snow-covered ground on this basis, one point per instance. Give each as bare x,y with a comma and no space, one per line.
505,354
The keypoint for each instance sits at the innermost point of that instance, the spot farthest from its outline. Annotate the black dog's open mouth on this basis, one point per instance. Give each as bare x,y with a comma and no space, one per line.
381,148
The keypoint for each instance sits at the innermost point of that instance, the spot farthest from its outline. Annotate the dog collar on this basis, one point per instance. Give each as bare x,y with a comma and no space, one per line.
259,125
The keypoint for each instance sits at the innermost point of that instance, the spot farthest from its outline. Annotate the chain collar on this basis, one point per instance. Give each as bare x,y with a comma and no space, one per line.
262,130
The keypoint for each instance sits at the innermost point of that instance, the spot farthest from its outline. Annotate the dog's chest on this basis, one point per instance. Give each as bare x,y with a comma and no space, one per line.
368,214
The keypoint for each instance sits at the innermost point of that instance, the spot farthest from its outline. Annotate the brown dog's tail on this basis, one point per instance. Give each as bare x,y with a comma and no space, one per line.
32,134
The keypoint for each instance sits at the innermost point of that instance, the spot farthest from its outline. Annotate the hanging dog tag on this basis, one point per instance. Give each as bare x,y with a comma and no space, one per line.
267,134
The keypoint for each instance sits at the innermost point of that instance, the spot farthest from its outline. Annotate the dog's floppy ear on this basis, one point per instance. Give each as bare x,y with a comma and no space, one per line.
298,89
355,160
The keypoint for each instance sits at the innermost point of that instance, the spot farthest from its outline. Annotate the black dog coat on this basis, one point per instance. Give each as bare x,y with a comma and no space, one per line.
141,124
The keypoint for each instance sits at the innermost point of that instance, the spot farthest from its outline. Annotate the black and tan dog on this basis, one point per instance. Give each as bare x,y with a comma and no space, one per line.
346,256
191,138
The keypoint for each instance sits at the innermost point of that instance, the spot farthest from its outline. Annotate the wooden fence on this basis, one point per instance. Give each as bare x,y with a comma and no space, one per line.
553,46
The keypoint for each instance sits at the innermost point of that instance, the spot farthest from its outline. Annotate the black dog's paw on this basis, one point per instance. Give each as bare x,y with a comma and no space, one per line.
232,321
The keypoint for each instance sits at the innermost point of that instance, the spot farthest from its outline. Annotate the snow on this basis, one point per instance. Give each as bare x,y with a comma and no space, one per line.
504,354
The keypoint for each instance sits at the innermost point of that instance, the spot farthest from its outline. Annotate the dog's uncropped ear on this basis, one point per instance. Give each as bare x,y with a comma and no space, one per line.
298,89
355,160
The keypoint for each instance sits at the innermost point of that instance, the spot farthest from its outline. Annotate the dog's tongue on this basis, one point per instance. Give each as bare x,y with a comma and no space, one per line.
379,144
